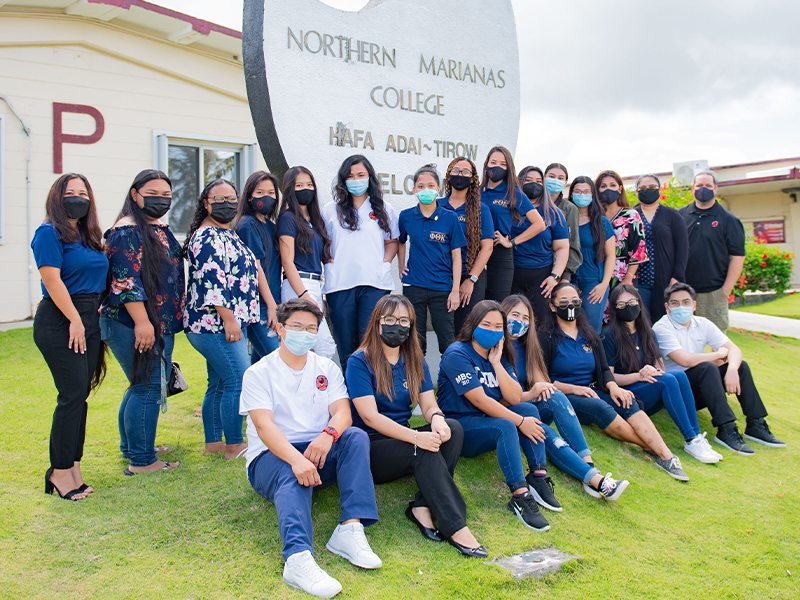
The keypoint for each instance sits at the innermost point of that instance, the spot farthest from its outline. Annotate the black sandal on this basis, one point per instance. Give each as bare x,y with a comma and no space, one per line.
49,486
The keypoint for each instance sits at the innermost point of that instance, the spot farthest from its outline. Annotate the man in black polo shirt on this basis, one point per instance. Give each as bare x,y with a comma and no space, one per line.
716,250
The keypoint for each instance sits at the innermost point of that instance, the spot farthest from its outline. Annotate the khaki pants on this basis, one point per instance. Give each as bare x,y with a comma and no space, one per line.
714,307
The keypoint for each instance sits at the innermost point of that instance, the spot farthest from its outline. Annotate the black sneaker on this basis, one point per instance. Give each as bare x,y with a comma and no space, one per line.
528,512
542,489
758,431
728,435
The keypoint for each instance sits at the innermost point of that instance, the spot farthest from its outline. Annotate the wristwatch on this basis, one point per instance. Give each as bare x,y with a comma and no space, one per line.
556,276
332,432
473,279
514,243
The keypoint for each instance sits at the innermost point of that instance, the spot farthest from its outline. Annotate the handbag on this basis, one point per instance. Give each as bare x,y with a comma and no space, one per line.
177,383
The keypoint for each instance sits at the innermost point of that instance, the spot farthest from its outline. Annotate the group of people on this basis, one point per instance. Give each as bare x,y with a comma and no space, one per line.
518,279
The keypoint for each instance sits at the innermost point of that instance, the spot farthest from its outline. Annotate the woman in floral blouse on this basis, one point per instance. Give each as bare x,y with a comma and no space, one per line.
142,313
222,300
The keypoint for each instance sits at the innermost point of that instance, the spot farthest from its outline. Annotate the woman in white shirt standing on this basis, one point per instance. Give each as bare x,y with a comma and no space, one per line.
363,233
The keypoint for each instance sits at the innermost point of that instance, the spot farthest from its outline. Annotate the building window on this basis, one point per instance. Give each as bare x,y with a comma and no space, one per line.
192,161
2,181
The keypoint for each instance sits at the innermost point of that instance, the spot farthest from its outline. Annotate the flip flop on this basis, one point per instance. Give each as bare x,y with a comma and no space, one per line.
163,449
166,467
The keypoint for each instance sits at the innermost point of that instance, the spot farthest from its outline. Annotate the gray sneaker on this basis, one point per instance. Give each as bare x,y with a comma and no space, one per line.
672,467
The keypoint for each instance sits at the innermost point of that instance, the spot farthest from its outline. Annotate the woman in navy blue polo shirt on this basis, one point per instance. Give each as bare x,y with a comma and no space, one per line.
142,313
539,262
574,356
305,247
386,376
463,196
501,193
68,249
255,225
478,387
431,279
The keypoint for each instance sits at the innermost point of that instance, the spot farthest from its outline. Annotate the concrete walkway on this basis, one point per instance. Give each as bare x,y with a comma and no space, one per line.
15,325
766,323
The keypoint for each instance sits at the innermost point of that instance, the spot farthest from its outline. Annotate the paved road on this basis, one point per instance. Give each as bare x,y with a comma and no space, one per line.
765,323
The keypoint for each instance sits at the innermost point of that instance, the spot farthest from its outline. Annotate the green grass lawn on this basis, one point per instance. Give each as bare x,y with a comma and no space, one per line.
788,306
201,532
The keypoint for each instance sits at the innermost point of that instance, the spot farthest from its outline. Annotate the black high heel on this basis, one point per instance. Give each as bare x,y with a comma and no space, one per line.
49,486
427,532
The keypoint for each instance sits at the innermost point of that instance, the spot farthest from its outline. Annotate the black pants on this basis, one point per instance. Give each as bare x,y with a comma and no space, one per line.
708,387
478,294
442,320
391,459
500,273
72,374
528,282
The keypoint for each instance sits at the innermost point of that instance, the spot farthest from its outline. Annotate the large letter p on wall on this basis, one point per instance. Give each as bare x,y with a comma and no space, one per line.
60,138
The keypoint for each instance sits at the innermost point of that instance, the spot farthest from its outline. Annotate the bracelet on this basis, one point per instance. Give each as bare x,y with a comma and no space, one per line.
303,294
440,413
521,423
415,442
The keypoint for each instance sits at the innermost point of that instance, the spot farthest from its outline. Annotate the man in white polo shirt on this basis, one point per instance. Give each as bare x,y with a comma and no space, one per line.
682,339
299,437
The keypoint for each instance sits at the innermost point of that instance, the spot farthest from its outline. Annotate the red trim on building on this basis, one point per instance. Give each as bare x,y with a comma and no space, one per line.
793,174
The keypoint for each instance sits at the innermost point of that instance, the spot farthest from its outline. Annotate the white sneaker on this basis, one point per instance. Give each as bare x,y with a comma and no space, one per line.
301,571
699,448
349,541
610,489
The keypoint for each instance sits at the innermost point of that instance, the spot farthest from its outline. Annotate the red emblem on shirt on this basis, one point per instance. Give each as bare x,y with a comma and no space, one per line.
715,223
322,383
373,216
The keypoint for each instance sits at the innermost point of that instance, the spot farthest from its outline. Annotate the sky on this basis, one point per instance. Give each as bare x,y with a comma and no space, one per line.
637,85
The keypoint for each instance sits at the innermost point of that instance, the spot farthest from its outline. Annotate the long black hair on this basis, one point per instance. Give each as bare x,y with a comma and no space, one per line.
200,211
596,214
550,324
550,211
88,227
512,182
290,204
627,354
151,266
479,312
556,165
246,208
472,209
348,217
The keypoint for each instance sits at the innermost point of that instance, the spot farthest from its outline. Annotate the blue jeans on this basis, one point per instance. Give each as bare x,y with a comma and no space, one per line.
351,311
647,298
600,411
346,464
263,339
594,312
565,452
226,363
483,434
139,410
671,390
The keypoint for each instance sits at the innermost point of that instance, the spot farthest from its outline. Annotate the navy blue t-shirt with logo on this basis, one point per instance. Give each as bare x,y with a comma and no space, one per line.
574,362
487,226
304,262
498,202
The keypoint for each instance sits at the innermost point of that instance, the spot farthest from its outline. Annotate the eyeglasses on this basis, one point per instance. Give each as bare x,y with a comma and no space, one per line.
298,327
392,320
632,302
464,172
574,303
647,187
676,303
223,199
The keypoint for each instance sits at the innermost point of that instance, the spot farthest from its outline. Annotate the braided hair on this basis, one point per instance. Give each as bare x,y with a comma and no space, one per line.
472,209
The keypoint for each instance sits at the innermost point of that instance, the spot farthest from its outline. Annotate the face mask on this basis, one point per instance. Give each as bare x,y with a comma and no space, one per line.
704,194
554,186
76,207
299,342
394,335
582,199
156,207
487,338
628,314
460,182
609,196
681,314
497,173
223,212
568,313
263,204
357,186
533,190
517,329
649,196
427,195
305,197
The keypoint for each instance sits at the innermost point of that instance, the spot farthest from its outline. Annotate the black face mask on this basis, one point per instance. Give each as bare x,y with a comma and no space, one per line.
394,335
609,196
497,173
305,197
628,314
649,196
76,207
460,182
533,190
704,194
156,207
568,313
223,212
263,204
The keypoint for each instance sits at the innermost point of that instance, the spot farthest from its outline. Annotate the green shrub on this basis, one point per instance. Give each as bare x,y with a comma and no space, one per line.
766,268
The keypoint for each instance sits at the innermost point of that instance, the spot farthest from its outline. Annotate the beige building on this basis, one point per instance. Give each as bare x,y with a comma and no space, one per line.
108,88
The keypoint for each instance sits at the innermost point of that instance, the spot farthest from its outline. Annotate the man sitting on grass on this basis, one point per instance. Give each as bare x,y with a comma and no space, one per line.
299,434
682,339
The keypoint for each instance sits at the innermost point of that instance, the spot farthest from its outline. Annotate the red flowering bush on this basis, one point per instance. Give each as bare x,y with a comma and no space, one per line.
766,268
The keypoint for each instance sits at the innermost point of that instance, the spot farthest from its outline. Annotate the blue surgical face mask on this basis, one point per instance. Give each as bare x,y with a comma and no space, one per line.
582,199
681,314
487,338
299,342
554,186
427,196
357,186
517,329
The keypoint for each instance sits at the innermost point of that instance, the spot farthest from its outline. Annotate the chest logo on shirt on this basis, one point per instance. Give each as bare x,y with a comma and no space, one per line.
587,348
463,379
438,237
373,216
322,383
715,223
405,384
